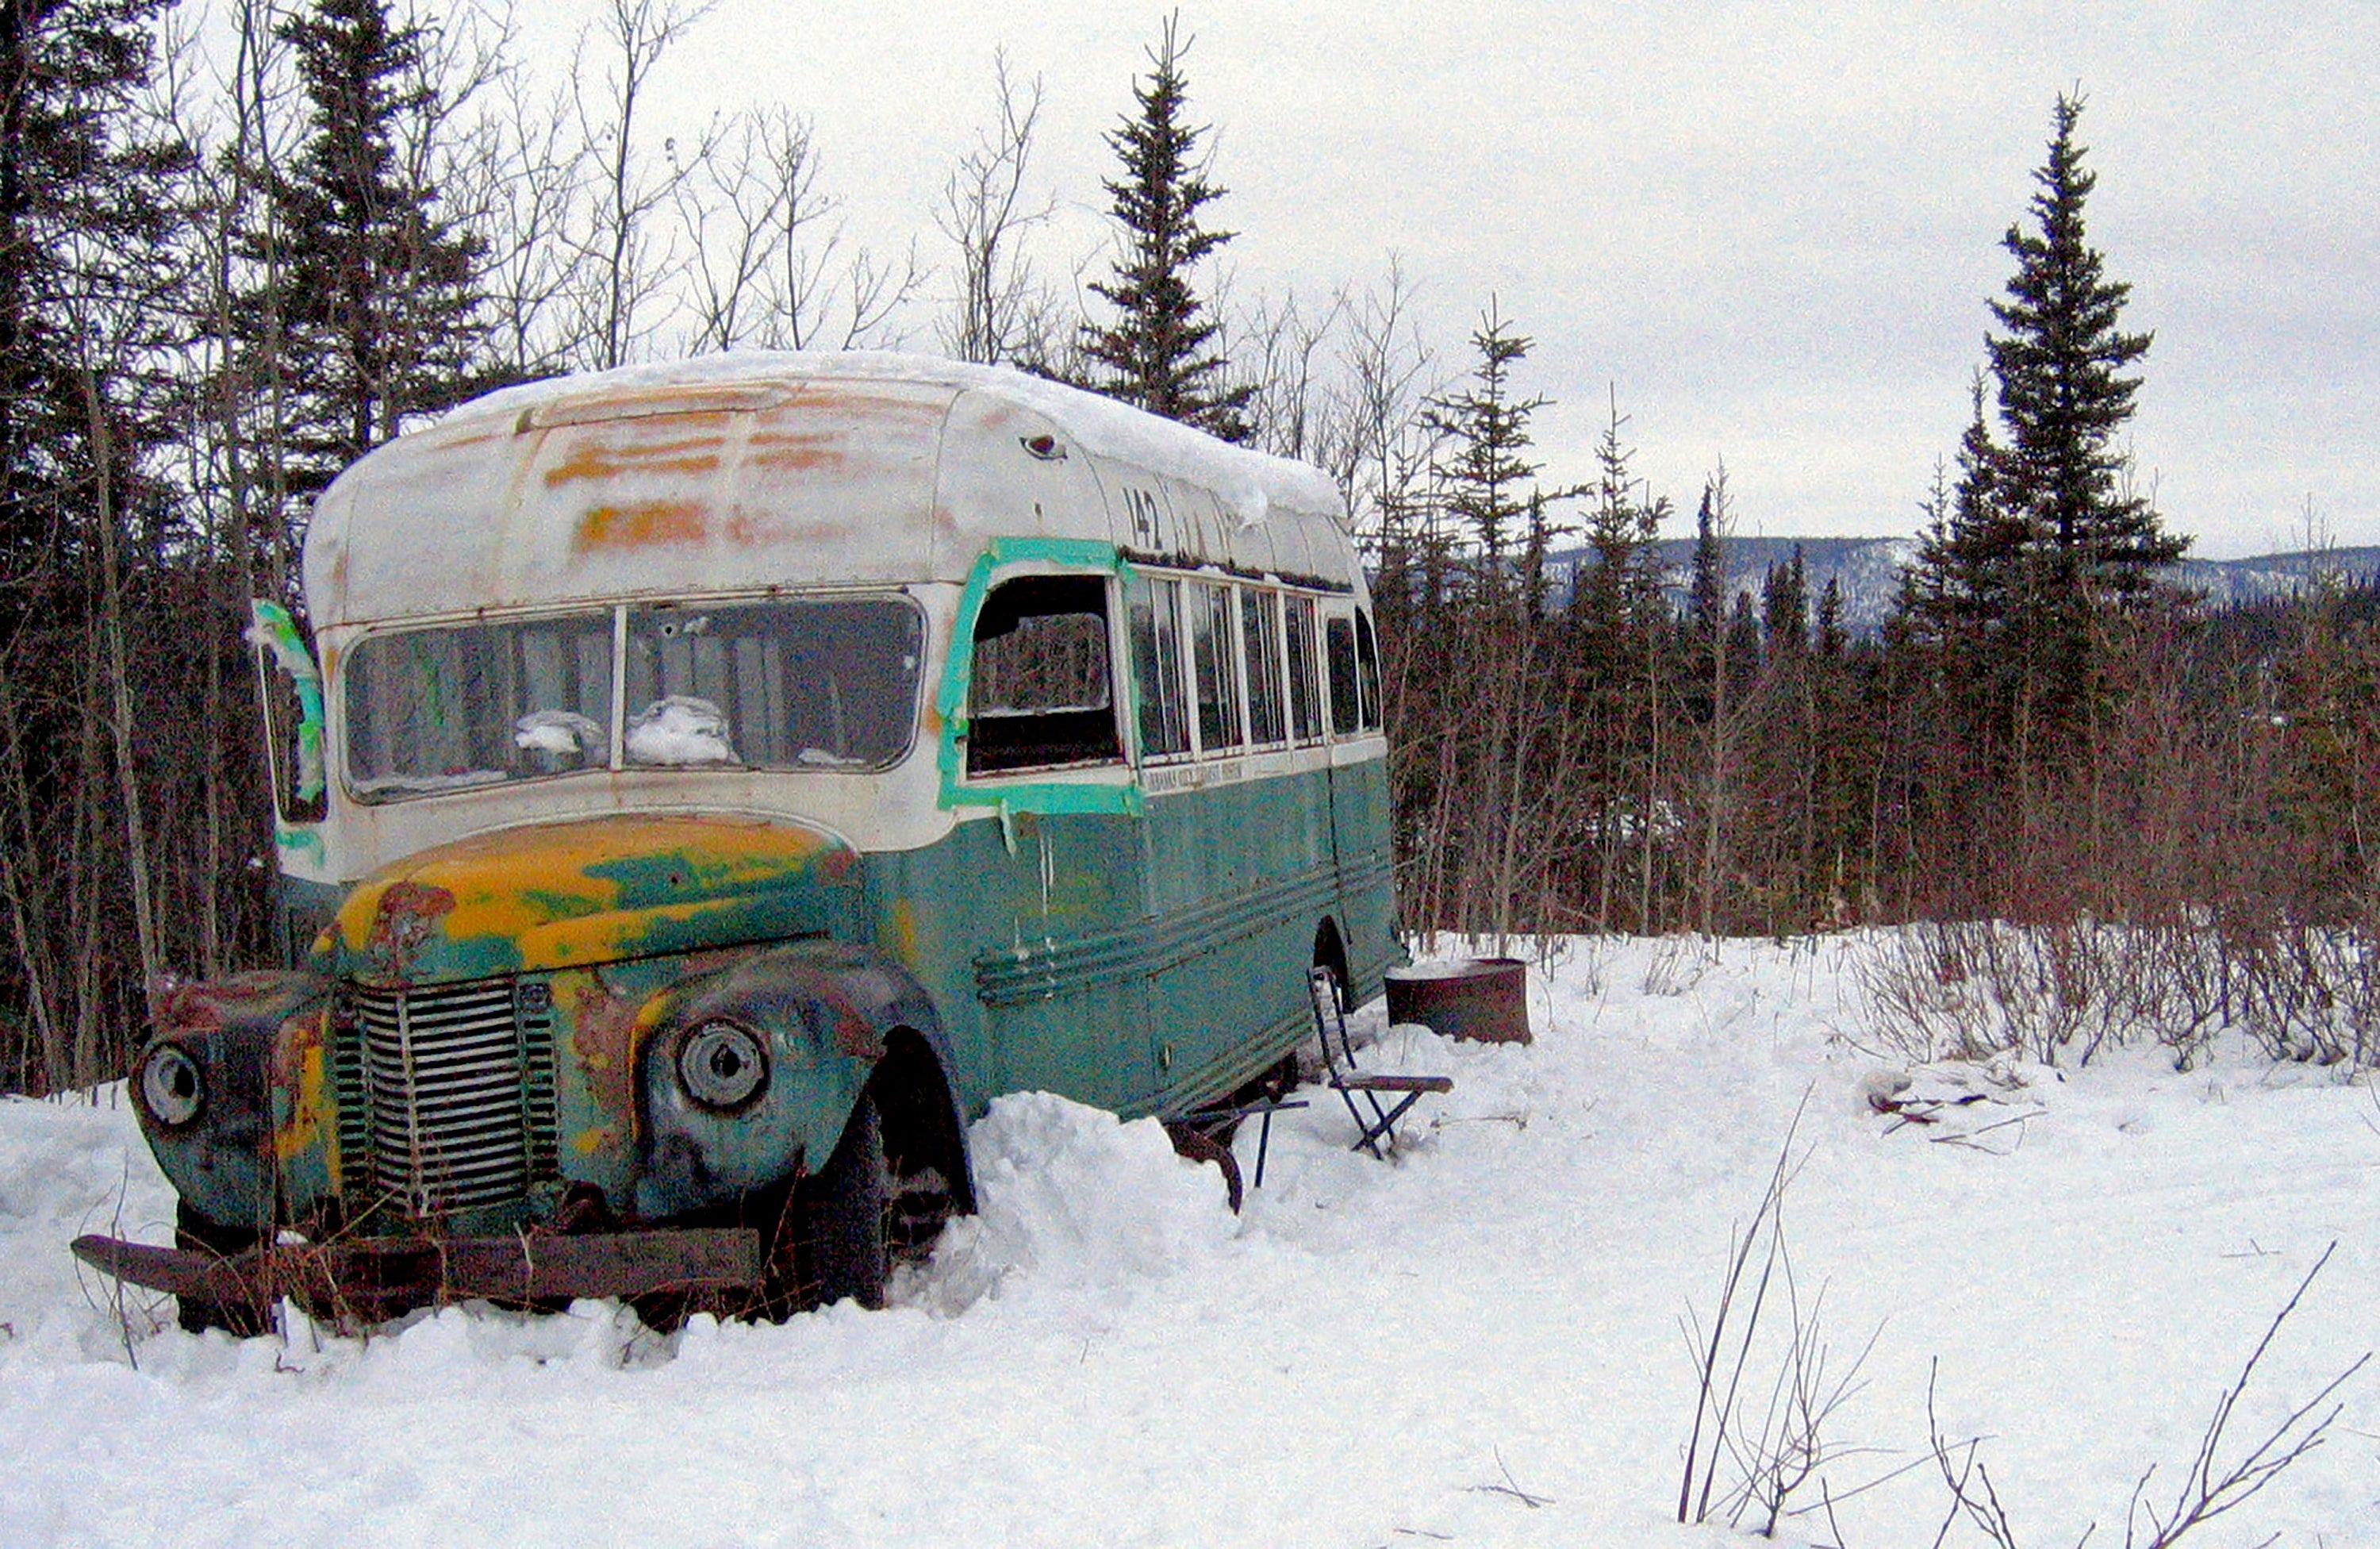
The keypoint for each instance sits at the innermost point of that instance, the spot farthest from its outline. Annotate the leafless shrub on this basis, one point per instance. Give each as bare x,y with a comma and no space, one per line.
1762,1407
1677,965
1969,1483
1964,989
2204,1495
1789,1447
2191,971
2310,993
1582,956
137,1315
2061,991
2209,1488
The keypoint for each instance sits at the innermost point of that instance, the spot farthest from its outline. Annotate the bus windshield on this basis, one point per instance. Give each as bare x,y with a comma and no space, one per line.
805,684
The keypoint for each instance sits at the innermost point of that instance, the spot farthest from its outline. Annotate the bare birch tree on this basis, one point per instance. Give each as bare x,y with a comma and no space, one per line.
984,215
767,255
630,265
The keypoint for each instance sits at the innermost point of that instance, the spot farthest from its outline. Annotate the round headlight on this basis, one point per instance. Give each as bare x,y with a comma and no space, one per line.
722,1066
171,1088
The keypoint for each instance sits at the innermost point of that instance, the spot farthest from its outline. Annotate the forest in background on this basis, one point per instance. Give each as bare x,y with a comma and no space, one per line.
225,273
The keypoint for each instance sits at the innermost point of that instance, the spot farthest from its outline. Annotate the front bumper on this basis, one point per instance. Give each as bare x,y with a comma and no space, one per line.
369,1279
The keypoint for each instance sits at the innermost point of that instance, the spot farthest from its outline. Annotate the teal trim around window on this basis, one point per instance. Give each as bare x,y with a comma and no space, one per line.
1054,796
276,633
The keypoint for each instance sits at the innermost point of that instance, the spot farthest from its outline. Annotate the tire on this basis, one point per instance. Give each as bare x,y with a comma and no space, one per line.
845,1208
240,1320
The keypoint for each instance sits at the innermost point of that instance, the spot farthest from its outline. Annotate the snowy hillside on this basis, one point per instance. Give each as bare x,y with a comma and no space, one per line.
1477,1344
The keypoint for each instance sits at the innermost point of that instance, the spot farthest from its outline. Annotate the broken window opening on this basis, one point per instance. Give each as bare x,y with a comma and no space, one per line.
1038,692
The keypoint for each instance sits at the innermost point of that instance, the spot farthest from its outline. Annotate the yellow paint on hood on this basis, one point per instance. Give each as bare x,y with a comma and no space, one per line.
555,894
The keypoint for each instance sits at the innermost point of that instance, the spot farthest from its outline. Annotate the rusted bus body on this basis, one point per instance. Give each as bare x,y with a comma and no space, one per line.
738,768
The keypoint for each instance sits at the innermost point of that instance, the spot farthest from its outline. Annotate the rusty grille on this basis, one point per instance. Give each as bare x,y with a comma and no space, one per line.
450,1096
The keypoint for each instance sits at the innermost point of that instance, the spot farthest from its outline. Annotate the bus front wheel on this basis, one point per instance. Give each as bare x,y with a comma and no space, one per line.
843,1211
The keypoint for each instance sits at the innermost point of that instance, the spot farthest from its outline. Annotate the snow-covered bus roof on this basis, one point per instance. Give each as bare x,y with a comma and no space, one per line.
749,470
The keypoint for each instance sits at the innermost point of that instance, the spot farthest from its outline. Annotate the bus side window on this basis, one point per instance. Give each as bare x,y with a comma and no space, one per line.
1154,623
1260,630
1367,679
1215,666
1304,696
1339,651
1038,695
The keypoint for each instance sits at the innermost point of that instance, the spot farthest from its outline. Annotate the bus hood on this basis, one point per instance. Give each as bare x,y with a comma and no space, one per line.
573,894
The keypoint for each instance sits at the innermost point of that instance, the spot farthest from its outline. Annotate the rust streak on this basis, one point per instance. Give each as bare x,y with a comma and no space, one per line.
752,528
300,1057
204,1005
641,524
603,1040
808,458
853,1034
593,459
298,1036
409,913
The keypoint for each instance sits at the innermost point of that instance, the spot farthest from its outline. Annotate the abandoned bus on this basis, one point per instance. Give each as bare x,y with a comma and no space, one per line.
708,786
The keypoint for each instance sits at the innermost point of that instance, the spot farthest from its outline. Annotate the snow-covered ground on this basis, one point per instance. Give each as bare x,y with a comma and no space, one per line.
1477,1344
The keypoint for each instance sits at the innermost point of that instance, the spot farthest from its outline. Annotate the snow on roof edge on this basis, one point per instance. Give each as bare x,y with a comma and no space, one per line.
1249,481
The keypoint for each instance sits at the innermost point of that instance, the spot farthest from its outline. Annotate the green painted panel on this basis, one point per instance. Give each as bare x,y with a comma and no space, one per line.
975,900
1143,965
1359,807
1237,845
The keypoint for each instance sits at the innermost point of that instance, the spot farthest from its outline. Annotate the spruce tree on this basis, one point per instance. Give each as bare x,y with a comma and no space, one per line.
88,212
2063,394
1833,639
1483,466
1705,640
1159,353
1743,646
97,543
1622,647
1617,595
375,290
1785,606
1707,585
2042,535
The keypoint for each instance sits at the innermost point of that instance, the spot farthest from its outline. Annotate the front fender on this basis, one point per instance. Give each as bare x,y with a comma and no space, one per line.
824,1013
256,1038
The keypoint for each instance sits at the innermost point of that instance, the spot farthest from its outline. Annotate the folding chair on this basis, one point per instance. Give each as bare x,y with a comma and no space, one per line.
1341,1076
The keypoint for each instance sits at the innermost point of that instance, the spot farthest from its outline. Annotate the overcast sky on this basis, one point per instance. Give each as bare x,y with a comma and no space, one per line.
1769,229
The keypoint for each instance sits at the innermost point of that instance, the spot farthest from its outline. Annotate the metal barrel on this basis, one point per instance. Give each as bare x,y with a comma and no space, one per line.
1484,999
